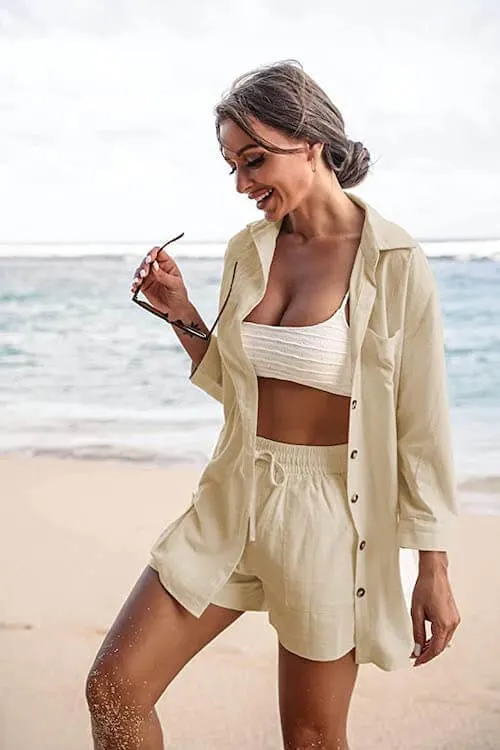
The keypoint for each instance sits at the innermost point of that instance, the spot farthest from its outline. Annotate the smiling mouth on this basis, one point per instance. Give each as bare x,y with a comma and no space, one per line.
262,202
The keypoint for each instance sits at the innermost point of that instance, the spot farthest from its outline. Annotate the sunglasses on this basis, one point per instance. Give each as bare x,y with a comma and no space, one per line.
191,330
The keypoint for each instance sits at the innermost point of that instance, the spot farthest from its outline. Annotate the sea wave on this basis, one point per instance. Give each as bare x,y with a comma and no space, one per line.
464,250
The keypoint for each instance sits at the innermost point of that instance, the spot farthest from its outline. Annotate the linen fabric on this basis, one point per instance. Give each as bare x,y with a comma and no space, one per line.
302,577
400,478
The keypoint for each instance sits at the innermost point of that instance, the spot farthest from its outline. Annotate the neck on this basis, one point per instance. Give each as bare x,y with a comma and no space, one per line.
327,212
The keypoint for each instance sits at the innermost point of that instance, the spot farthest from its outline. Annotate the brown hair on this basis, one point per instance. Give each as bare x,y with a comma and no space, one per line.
284,97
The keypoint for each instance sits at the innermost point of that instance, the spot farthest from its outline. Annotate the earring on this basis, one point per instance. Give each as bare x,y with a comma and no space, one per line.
313,166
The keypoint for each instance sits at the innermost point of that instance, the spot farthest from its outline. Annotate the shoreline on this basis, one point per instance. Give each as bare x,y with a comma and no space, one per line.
480,490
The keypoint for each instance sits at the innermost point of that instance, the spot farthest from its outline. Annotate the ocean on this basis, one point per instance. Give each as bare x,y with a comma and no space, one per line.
85,373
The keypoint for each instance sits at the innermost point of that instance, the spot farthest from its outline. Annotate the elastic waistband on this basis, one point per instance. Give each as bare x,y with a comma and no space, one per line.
329,458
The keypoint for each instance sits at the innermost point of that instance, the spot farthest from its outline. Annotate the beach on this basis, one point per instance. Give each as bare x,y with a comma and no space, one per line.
103,439
74,536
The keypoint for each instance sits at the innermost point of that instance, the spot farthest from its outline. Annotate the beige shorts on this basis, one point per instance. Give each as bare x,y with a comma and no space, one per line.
300,567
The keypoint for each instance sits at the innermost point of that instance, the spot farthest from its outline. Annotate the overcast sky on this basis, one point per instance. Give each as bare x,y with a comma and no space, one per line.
106,110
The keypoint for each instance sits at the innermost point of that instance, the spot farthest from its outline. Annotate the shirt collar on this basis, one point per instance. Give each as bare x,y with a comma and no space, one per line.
378,234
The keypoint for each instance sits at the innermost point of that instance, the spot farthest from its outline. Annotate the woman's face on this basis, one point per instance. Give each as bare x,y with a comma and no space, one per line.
278,183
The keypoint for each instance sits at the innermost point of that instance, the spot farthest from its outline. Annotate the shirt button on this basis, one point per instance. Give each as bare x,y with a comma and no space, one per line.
362,545
354,403
360,592
354,498
354,454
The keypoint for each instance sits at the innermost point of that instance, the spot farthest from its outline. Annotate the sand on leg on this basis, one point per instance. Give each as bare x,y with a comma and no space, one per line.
152,638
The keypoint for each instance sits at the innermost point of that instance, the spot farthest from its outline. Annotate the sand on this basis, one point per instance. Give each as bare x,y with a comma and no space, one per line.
74,536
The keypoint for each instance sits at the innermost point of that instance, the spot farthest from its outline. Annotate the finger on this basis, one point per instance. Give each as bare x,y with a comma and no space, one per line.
138,280
164,278
136,284
167,263
451,630
437,644
142,271
153,254
430,653
146,262
418,620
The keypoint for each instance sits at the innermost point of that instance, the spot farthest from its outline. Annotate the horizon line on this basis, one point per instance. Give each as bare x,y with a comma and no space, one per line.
7,243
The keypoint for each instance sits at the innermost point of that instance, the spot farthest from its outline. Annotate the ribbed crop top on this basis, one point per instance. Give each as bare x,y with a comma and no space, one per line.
317,355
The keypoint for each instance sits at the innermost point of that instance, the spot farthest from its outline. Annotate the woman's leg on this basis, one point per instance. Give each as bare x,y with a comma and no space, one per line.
152,638
314,701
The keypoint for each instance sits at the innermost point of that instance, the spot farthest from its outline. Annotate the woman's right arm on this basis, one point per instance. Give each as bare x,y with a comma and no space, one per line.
194,346
163,285
206,371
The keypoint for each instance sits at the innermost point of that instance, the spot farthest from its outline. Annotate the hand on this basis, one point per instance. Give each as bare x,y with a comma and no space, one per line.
433,601
161,283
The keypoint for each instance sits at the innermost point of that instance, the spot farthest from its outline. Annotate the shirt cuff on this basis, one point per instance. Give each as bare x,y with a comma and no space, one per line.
425,535
207,375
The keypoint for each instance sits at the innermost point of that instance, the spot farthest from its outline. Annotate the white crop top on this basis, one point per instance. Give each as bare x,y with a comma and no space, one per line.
316,355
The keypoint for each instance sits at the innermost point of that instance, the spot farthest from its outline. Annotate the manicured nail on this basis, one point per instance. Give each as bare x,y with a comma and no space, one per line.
417,649
143,273
148,259
156,266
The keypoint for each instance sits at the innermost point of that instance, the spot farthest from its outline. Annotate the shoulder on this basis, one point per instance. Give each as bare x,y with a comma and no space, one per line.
404,276
408,267
400,254
244,242
240,241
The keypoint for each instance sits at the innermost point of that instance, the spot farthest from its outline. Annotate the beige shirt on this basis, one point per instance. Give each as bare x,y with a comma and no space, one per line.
400,478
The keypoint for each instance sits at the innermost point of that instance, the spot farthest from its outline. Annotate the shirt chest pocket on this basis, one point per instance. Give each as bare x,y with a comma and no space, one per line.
380,352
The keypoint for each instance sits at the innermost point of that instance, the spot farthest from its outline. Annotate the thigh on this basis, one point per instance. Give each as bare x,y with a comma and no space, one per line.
152,638
314,699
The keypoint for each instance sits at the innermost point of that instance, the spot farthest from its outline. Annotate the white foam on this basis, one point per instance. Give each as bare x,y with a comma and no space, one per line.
459,249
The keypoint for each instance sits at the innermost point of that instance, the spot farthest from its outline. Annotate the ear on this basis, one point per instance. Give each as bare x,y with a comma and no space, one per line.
315,151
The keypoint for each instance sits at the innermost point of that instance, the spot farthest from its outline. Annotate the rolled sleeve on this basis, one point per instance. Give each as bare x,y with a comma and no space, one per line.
207,375
427,500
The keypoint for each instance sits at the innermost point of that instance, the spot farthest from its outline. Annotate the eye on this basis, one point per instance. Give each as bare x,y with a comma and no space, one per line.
252,163
257,162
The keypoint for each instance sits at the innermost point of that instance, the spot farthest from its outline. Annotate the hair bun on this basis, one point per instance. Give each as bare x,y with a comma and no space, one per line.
354,166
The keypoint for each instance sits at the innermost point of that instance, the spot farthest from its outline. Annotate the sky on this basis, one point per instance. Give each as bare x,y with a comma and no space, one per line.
106,111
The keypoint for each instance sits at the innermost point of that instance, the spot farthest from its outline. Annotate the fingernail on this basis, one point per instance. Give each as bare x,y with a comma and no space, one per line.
143,273
148,259
417,649
156,266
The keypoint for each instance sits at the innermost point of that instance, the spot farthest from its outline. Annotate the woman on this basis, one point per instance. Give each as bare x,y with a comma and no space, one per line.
335,448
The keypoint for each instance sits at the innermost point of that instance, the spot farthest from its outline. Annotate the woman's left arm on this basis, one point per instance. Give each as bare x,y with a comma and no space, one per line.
428,505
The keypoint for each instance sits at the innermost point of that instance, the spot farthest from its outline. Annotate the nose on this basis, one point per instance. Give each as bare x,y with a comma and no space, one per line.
242,181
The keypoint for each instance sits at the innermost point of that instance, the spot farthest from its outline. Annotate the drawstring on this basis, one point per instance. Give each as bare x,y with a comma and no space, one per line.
273,466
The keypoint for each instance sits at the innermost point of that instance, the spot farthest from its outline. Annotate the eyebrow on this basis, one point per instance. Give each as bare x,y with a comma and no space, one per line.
243,149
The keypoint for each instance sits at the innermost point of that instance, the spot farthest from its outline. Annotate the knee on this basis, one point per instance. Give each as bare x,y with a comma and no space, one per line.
113,697
309,737
101,687
103,690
